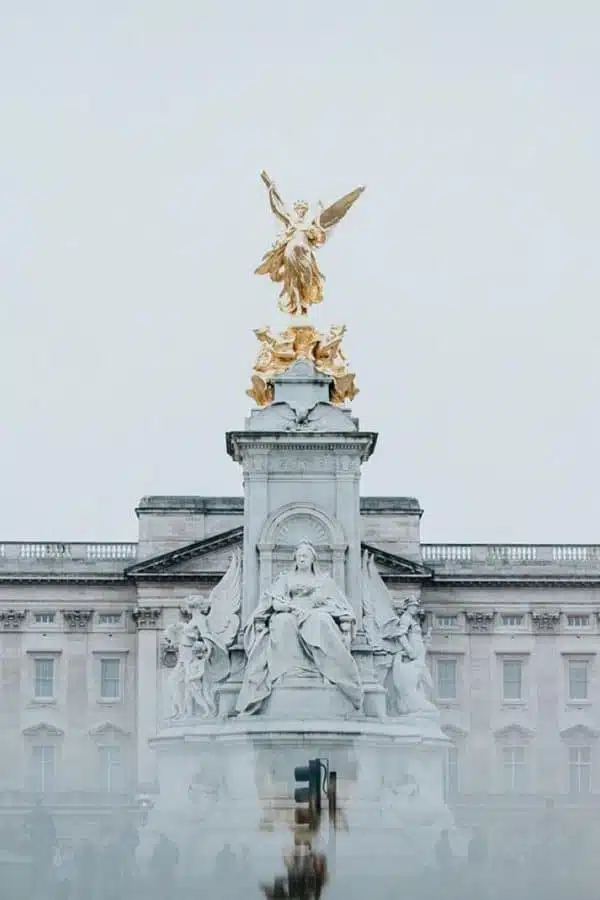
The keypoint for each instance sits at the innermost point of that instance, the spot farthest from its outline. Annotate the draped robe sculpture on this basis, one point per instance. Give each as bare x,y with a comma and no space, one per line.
301,627
203,646
400,642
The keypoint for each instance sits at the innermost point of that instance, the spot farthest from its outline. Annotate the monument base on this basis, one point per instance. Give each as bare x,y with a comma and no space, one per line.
232,783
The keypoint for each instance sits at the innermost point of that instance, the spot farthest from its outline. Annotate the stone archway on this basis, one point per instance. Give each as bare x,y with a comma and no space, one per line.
286,528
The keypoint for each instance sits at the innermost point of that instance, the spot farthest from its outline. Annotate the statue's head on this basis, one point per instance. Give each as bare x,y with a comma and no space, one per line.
200,648
305,556
300,208
411,604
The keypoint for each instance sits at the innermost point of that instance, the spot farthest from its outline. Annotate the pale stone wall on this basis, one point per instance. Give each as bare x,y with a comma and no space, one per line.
473,589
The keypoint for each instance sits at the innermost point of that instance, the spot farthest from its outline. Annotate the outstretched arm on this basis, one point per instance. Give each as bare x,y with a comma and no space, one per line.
275,202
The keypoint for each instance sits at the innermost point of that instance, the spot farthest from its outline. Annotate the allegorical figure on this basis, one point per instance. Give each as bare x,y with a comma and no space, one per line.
202,646
399,638
291,261
302,626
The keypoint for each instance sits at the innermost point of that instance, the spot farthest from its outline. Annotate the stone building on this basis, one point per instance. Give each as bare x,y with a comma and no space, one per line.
513,654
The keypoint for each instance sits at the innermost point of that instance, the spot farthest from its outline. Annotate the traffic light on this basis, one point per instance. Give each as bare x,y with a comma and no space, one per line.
309,793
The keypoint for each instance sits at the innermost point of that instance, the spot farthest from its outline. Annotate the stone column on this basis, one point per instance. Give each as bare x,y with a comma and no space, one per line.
256,510
147,620
348,512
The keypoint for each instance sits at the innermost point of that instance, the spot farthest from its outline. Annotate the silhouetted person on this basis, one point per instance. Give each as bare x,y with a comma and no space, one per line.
477,853
41,835
443,852
163,866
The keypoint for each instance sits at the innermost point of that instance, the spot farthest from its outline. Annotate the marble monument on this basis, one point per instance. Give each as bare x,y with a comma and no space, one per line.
300,651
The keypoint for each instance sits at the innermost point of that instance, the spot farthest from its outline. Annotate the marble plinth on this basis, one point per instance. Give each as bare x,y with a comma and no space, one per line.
232,783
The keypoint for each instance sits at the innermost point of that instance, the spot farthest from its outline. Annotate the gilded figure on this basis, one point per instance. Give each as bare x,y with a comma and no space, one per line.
292,261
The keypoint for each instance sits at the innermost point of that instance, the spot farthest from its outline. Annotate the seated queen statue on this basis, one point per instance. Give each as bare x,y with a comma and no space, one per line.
301,628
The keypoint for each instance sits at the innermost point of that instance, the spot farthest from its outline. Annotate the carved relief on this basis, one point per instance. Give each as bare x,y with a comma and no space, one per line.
78,619
146,617
480,620
545,619
348,465
303,463
298,528
12,619
256,464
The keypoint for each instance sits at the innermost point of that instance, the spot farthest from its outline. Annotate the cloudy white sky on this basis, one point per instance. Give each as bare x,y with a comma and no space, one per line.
468,274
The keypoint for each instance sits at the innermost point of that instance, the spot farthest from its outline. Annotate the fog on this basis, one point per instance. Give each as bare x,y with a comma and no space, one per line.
544,852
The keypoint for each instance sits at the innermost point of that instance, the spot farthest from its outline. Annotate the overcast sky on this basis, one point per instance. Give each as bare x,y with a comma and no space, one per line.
132,217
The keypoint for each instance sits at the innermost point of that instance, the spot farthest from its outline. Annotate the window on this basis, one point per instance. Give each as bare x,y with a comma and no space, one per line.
446,679
110,768
43,765
110,679
578,679
43,688
450,772
109,618
44,618
447,621
513,621
580,759
513,765
512,679
578,621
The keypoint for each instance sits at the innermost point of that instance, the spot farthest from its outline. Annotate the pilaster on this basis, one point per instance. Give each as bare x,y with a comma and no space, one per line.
148,621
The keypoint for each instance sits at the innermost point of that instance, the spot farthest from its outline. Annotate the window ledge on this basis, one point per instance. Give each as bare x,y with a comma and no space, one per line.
109,701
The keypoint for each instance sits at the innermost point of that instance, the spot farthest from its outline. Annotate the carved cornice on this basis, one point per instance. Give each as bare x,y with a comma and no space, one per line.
12,619
241,443
146,617
77,619
480,620
545,620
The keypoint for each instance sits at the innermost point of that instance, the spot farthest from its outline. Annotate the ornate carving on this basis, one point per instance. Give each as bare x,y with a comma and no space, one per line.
291,261
545,619
256,463
303,462
146,617
303,527
400,647
348,465
169,653
301,343
480,620
198,652
302,612
12,619
78,619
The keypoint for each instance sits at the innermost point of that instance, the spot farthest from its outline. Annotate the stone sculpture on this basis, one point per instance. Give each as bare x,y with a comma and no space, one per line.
400,642
301,627
203,646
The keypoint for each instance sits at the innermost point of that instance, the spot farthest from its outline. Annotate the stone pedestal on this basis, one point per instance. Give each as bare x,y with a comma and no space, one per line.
233,784
301,482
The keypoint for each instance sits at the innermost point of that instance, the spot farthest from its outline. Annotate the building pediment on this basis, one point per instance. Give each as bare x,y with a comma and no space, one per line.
41,729
579,732
211,556
107,728
514,730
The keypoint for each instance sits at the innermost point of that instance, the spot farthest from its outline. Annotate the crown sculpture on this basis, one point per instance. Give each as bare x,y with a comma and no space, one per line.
292,262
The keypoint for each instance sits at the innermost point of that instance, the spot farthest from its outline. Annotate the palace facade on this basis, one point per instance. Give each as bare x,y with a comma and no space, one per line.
513,654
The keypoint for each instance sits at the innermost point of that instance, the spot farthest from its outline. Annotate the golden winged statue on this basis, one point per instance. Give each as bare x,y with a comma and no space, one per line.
291,261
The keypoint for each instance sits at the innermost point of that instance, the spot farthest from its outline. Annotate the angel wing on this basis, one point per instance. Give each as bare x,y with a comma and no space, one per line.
377,603
333,214
225,601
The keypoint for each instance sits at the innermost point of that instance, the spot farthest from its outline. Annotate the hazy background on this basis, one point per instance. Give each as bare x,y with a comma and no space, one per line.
132,217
